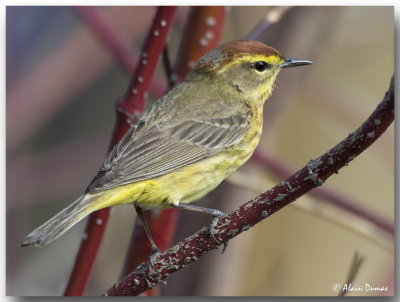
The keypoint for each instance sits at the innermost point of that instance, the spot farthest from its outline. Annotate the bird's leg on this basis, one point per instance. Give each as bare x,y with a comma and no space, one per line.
155,251
215,213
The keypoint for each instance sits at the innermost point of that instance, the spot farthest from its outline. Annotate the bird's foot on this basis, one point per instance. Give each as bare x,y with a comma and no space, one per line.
155,252
153,273
156,274
216,214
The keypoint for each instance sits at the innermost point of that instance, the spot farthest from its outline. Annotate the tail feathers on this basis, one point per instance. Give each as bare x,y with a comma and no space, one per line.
59,224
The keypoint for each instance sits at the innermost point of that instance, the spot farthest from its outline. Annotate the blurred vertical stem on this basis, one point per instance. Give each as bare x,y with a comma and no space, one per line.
273,16
127,107
202,33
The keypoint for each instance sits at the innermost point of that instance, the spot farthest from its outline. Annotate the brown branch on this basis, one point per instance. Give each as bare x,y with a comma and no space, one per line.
309,177
205,22
129,105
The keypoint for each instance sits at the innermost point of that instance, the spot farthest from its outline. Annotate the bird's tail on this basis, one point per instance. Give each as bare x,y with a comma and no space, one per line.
62,222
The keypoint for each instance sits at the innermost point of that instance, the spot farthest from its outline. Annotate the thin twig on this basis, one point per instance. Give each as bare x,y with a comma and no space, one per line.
167,67
272,16
353,271
309,177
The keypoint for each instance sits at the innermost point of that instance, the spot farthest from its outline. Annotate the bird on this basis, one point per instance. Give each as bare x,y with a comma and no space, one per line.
186,143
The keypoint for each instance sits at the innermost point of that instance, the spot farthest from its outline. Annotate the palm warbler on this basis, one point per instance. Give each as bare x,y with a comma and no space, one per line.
187,142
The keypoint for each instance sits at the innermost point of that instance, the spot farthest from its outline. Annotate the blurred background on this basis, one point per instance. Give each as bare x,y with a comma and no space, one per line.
61,87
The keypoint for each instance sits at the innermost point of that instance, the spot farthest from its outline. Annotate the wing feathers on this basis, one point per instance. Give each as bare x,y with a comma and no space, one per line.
158,149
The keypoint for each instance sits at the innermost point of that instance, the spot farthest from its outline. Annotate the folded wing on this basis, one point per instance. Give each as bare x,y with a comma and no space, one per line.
146,152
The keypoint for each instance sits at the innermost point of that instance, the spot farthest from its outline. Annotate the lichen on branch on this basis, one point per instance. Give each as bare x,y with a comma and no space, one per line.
309,177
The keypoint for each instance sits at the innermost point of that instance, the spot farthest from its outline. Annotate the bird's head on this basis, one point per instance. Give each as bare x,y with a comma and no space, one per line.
248,67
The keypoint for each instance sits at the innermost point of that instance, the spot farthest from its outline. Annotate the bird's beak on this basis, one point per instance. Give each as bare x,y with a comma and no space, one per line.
294,62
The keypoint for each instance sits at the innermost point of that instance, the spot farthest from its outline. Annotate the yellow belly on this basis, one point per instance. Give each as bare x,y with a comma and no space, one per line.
182,186
186,184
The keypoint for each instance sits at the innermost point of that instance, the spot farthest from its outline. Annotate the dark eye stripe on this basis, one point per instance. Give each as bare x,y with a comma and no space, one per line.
261,66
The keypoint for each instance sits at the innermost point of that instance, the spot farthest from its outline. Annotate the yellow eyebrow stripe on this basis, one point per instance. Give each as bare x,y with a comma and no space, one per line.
272,59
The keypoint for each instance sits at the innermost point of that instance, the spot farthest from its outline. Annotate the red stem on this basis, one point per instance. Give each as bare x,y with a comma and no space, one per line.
131,103
136,93
203,23
309,177
202,34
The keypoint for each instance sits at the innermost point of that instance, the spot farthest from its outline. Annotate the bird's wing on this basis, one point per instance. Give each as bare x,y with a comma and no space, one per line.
148,152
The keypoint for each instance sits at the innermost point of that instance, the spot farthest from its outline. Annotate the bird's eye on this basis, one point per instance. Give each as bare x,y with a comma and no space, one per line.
261,66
